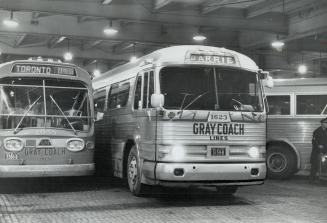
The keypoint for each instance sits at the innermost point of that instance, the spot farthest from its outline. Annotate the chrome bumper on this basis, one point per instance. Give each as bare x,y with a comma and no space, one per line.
46,170
210,174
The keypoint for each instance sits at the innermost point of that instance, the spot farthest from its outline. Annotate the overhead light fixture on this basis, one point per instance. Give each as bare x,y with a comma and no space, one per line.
68,56
133,58
109,30
96,72
106,2
10,22
199,36
277,44
302,69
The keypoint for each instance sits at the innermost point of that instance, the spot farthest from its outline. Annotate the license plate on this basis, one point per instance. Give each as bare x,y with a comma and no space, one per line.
218,151
218,116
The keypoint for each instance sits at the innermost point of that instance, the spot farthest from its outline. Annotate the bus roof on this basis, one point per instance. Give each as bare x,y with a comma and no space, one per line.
186,54
44,68
300,82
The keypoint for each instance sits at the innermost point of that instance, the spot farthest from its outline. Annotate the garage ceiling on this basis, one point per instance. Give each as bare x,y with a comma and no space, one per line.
46,27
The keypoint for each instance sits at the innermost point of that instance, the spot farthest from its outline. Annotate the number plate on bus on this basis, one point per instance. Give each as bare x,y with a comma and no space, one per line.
215,116
218,151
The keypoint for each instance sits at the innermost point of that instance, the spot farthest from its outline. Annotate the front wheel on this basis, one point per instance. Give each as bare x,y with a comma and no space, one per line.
134,174
281,162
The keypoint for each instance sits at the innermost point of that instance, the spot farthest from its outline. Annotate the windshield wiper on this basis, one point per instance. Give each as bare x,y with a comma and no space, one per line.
71,126
189,104
21,120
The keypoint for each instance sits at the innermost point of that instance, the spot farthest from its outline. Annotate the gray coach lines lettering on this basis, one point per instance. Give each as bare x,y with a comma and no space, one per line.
183,116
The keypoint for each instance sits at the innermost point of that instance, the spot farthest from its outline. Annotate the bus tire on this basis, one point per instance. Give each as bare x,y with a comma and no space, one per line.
226,191
281,162
133,173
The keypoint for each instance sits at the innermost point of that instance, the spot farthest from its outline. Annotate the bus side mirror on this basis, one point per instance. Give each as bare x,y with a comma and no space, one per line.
157,100
267,80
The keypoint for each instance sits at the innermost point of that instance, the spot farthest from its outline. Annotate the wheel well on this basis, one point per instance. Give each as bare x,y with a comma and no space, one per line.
288,147
128,146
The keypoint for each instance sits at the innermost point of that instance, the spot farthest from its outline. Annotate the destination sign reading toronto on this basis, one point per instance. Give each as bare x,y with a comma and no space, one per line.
43,69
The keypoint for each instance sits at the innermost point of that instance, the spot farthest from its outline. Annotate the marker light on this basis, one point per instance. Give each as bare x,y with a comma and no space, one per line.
254,152
13,144
75,144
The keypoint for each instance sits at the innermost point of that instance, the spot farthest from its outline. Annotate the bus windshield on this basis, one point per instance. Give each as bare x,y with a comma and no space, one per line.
56,103
211,88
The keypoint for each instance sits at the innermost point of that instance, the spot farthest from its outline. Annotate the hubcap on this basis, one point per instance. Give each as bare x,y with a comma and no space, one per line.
277,162
132,170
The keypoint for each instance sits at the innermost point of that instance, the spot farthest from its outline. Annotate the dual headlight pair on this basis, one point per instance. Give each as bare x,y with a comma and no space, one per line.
14,144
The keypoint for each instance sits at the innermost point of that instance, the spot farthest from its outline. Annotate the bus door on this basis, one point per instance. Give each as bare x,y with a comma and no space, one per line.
144,114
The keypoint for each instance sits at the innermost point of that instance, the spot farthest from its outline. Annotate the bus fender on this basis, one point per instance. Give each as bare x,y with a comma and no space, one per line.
290,144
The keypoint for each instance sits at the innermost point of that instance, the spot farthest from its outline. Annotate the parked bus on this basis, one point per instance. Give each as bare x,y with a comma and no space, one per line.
184,116
296,107
46,119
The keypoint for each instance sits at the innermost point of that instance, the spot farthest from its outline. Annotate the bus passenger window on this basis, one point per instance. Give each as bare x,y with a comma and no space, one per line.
137,96
145,90
123,94
151,89
113,96
279,105
311,104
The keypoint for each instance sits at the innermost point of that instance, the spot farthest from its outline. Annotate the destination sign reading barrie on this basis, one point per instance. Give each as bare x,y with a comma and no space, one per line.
212,59
43,69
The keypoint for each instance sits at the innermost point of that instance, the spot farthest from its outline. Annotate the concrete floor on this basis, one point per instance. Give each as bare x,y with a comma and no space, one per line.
91,199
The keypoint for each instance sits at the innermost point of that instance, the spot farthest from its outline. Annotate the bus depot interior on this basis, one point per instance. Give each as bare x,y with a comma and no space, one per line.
198,102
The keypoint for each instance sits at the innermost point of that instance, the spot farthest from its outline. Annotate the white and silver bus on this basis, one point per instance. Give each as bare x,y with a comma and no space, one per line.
46,119
184,116
296,107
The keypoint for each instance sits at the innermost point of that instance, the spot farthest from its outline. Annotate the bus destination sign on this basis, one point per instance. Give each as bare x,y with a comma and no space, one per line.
43,69
212,59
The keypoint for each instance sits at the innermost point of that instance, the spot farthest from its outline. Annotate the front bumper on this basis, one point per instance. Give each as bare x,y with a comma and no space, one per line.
206,174
46,170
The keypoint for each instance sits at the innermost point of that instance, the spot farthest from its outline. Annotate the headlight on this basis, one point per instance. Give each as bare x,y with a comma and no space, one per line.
75,144
13,144
175,153
254,152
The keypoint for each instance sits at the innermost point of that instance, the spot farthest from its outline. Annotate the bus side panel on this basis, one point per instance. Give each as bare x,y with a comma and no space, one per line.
298,131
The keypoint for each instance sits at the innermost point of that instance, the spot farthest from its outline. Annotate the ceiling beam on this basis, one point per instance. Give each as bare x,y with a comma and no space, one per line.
139,13
90,44
287,6
161,3
55,40
212,5
20,40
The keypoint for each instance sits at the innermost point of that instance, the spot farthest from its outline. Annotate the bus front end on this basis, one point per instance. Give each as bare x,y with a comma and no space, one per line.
45,124
211,130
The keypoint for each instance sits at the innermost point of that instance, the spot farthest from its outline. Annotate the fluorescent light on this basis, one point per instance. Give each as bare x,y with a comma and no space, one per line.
302,69
68,56
199,37
277,44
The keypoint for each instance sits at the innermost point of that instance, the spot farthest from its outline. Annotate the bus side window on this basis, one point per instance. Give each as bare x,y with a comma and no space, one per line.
138,93
311,104
279,104
151,89
113,96
145,90
123,95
